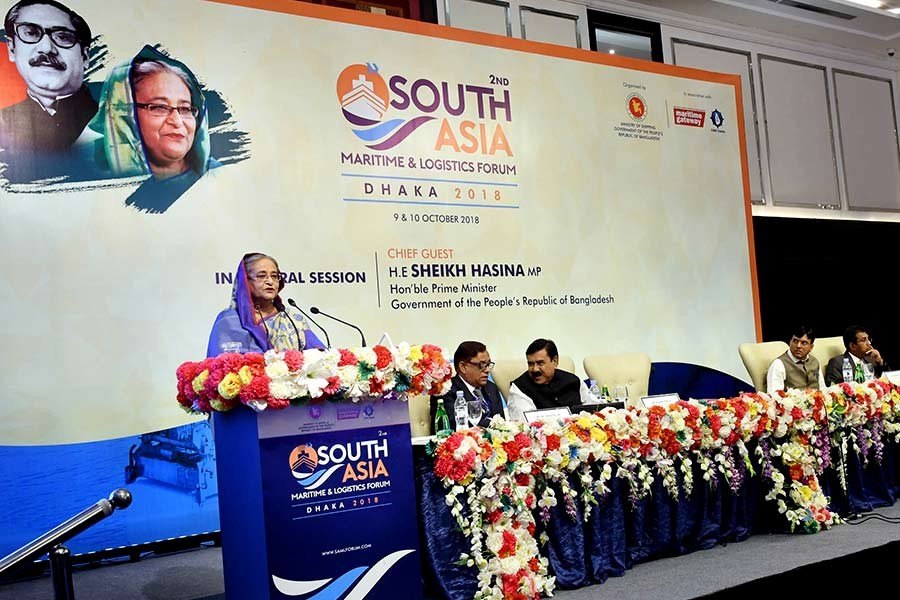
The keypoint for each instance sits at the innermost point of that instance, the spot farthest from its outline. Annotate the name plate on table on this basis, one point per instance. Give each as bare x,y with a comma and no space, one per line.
659,400
547,413
892,376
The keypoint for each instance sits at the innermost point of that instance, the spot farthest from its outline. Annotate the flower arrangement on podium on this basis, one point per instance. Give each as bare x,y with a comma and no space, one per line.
275,380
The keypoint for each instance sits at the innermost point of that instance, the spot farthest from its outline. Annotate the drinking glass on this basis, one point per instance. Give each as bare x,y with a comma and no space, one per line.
475,411
621,393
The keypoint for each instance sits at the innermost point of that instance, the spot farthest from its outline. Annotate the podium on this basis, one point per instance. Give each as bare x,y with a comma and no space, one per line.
317,501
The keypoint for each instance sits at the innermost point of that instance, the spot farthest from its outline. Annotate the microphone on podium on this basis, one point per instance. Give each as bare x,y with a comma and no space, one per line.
314,310
302,312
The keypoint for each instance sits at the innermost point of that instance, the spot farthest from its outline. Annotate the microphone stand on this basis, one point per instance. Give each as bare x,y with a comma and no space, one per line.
314,310
294,304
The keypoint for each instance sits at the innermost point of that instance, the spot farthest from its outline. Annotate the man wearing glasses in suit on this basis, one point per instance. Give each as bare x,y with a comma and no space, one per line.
473,364
48,42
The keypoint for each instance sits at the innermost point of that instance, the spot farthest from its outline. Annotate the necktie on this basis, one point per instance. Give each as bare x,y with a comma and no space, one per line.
484,405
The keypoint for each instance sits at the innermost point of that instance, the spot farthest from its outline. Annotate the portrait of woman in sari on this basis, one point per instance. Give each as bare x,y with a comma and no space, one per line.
152,121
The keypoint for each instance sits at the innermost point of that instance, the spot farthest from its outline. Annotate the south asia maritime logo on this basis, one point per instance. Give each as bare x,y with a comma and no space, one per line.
312,467
367,102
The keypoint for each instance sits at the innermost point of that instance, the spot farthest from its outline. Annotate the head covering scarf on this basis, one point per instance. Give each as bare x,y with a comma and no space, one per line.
279,332
121,148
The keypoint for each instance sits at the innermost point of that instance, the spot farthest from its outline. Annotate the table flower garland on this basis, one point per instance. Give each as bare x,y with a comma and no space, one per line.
275,380
499,477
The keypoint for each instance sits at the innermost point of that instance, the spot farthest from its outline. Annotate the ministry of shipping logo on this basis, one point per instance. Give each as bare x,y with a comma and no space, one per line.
637,107
716,118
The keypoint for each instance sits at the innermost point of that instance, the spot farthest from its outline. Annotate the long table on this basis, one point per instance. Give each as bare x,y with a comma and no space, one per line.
617,536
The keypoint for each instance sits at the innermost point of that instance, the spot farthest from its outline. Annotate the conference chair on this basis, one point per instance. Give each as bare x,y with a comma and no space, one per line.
824,349
419,415
757,357
506,370
631,369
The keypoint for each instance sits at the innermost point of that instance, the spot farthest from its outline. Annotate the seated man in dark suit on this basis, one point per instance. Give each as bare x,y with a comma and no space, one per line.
543,385
865,360
473,364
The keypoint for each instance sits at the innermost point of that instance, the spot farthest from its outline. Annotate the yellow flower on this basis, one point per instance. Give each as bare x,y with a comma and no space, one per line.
199,381
598,435
415,354
584,423
806,493
230,386
218,405
246,375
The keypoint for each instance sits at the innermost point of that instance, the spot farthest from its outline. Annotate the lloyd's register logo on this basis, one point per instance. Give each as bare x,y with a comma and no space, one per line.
366,100
356,461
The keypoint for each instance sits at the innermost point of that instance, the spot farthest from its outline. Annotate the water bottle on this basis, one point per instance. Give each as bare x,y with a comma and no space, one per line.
847,371
594,389
461,411
441,420
604,395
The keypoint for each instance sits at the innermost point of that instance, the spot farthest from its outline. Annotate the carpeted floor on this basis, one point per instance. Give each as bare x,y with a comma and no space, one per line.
764,564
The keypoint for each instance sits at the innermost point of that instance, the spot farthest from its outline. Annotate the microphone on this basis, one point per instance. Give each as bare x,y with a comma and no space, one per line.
314,310
294,304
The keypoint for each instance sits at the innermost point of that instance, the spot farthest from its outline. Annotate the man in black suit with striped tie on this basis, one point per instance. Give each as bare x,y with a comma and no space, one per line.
473,364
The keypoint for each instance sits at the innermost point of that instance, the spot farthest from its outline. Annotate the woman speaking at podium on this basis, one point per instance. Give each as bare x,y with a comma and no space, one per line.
257,320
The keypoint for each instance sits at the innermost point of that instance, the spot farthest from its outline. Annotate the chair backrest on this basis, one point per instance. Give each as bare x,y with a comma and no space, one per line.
506,370
631,369
419,415
824,349
757,357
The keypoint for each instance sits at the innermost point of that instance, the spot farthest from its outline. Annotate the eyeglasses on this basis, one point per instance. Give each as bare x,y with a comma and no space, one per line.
276,277
32,33
482,366
164,110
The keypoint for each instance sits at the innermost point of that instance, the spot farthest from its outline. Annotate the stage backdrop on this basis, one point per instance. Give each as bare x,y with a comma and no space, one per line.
432,183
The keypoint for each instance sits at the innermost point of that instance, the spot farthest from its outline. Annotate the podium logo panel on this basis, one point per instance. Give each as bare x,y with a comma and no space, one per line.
359,460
